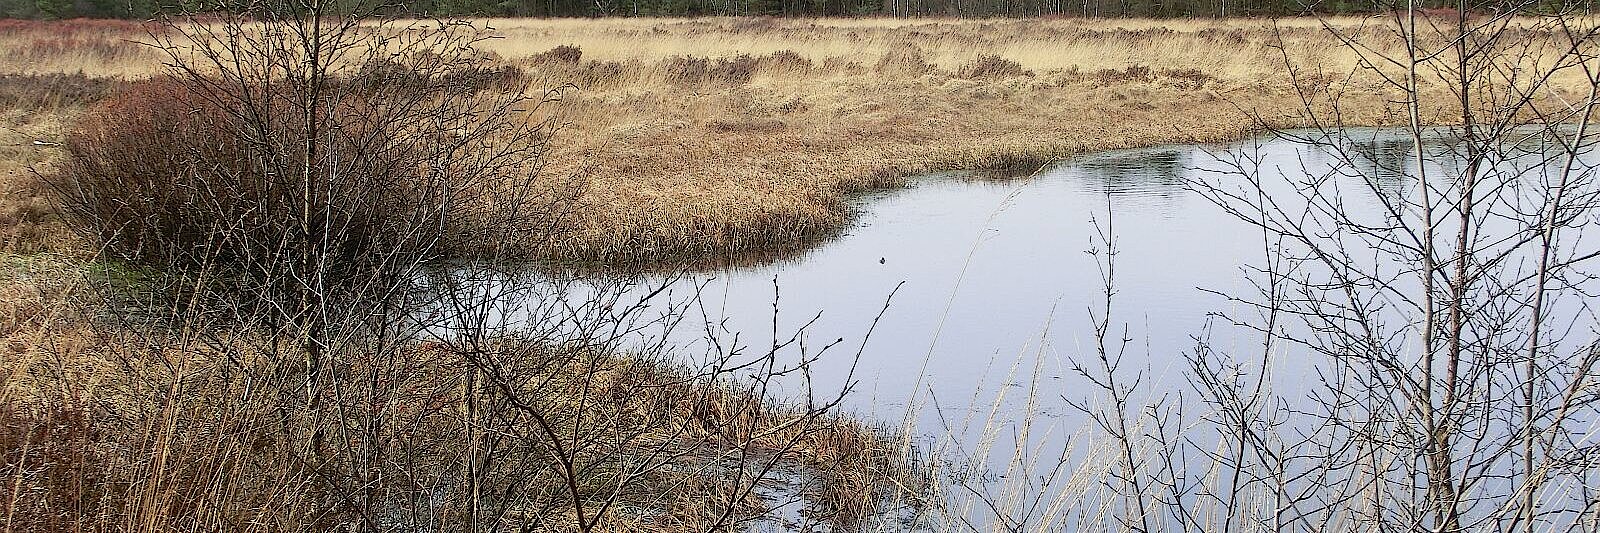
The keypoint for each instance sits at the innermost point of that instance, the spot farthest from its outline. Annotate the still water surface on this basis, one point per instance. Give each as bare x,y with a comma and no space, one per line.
977,292
997,270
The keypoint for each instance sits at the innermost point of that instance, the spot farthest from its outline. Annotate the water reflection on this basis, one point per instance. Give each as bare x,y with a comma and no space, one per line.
998,286
1384,161
1151,176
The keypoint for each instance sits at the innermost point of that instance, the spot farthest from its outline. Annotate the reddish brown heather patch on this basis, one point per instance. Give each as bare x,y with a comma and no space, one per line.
100,39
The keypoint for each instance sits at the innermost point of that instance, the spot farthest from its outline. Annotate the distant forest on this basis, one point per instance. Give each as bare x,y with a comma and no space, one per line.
139,9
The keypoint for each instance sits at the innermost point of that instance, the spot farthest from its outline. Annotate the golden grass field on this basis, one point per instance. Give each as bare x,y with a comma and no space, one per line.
689,158
713,168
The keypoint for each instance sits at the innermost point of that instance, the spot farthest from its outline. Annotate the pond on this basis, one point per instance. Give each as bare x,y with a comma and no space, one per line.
982,296
985,272
969,311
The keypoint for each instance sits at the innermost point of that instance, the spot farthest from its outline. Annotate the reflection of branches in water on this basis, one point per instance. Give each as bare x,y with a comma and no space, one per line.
1383,161
1146,173
729,421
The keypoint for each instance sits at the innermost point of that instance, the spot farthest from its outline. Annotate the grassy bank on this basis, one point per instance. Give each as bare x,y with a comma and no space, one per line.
760,145
707,138
691,140
107,424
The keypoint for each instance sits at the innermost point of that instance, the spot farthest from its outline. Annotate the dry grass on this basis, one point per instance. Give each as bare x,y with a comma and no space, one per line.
698,139
103,48
98,430
737,163
29,142
708,138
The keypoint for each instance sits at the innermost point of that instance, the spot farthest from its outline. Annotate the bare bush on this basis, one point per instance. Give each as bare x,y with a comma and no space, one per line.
333,331
1451,373
1419,350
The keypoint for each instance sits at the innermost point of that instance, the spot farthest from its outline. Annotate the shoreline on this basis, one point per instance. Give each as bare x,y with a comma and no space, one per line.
703,140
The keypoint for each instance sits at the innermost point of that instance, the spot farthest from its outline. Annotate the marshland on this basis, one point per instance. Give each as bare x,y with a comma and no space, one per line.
284,269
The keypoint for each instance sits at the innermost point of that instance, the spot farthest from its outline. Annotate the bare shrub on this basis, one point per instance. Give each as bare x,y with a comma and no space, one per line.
289,197
332,336
164,170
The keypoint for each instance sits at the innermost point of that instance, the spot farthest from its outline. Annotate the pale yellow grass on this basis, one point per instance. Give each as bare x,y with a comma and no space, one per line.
709,161
1036,44
718,169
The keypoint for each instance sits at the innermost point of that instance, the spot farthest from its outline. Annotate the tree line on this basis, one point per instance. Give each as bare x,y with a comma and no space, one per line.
138,9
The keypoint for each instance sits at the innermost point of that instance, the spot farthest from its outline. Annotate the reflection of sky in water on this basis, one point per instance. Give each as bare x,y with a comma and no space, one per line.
996,272
989,267
1149,180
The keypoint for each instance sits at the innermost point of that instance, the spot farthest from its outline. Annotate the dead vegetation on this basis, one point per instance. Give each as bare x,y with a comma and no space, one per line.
692,140
668,448
261,333
700,140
